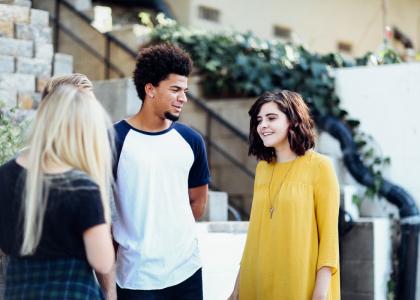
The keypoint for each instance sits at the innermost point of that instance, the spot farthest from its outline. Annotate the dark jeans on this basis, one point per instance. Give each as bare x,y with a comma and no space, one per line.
190,289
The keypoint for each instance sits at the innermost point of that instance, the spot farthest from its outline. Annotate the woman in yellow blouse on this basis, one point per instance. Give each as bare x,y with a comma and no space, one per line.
291,251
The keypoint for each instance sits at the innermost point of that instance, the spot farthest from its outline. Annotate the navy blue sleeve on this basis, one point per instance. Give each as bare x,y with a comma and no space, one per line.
121,130
199,172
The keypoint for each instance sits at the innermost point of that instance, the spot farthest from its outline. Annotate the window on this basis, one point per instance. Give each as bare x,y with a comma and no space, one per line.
282,32
209,14
345,47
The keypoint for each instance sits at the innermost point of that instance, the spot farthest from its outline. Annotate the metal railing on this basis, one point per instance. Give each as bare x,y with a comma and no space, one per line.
108,38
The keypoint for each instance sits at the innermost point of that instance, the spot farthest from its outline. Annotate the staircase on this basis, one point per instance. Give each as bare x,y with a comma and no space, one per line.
97,55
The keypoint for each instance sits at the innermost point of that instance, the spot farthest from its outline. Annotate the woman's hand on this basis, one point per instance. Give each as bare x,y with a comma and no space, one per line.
235,293
319,297
108,284
322,284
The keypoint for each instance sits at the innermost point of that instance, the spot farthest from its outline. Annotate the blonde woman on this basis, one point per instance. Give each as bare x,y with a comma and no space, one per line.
54,205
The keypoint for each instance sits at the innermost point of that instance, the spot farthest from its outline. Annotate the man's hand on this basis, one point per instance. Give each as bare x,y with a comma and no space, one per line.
198,200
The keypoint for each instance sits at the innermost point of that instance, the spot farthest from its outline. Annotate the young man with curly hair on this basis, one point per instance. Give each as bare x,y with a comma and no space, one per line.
162,178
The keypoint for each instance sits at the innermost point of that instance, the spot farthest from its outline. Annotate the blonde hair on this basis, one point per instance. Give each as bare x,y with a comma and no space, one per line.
71,128
75,79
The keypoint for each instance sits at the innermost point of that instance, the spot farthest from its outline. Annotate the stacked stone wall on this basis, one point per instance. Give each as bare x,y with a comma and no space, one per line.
27,58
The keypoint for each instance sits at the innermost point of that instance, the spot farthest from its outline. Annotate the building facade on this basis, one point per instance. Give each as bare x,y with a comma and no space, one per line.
351,27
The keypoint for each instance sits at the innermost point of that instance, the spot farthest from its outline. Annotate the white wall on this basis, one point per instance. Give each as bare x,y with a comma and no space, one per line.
386,100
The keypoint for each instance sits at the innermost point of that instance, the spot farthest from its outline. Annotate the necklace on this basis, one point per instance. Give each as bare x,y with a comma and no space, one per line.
272,207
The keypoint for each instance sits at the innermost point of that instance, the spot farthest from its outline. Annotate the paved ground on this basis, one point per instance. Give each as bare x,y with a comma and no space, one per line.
221,253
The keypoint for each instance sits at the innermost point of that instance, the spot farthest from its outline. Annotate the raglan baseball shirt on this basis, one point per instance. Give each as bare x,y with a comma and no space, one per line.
154,224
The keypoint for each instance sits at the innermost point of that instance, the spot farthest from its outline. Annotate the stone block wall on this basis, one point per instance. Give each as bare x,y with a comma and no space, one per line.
27,58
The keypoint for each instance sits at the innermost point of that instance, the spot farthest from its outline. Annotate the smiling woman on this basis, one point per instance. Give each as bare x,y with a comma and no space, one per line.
291,250
285,115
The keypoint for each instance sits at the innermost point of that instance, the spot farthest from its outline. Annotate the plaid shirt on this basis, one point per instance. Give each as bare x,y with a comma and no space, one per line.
67,279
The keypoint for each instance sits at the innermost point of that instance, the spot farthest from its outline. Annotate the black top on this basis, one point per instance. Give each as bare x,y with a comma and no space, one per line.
73,206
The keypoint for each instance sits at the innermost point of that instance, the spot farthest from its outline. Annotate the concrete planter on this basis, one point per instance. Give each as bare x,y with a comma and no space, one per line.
366,255
221,245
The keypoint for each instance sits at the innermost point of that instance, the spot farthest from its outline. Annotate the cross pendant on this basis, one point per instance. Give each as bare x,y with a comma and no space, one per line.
271,212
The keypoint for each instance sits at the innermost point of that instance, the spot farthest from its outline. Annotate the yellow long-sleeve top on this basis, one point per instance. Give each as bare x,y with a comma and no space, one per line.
283,254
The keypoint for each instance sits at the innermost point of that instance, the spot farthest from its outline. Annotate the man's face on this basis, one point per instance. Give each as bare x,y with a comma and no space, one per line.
169,96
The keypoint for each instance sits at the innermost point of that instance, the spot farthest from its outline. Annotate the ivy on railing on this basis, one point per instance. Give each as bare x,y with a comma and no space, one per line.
232,64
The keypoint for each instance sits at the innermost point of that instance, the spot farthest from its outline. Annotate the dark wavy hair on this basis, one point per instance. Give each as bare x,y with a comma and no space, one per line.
301,133
157,62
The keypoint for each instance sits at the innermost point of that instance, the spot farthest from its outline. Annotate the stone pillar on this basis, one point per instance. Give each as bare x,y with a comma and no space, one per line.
217,207
118,96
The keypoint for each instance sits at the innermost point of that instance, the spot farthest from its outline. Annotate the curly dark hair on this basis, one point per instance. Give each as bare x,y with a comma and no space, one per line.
157,62
301,133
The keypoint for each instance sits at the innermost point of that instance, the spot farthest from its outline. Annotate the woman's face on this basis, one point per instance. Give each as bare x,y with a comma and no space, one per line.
273,126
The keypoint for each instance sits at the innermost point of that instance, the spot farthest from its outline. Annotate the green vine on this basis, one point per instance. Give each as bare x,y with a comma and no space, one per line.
11,133
233,64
